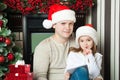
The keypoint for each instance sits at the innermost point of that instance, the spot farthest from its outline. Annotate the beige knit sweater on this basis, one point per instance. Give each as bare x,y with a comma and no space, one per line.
50,59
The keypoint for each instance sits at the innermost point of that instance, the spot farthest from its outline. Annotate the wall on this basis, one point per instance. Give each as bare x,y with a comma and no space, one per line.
115,38
107,19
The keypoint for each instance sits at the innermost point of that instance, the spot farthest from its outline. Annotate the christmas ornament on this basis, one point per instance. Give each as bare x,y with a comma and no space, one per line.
2,39
10,56
8,41
2,58
1,23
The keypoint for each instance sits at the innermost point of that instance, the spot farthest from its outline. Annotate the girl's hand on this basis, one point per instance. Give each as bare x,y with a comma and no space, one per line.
67,76
98,79
87,51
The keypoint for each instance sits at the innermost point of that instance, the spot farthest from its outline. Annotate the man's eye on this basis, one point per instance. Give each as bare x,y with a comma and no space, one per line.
62,23
71,23
88,40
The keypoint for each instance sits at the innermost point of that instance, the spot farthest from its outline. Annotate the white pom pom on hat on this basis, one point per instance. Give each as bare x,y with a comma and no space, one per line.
86,30
58,12
47,24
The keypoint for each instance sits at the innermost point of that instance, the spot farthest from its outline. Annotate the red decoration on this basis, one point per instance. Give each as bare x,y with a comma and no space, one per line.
34,6
19,76
2,58
19,72
19,68
10,56
2,39
89,25
1,23
30,6
82,5
8,41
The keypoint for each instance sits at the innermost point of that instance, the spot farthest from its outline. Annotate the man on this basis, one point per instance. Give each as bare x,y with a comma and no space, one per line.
50,54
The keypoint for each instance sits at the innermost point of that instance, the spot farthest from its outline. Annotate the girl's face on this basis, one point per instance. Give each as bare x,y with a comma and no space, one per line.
64,29
86,42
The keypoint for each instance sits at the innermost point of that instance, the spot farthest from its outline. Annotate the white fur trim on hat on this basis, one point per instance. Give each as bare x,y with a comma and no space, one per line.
86,30
63,15
58,16
47,24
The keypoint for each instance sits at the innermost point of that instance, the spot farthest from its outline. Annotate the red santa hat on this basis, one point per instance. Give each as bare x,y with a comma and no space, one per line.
58,12
86,30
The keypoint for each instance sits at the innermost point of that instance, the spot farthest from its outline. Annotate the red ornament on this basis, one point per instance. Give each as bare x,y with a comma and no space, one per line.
2,39
8,41
10,56
2,58
1,23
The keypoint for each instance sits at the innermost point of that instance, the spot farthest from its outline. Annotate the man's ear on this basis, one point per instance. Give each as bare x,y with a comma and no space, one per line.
53,26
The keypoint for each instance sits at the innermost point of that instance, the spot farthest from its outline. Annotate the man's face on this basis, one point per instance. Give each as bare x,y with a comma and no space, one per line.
64,28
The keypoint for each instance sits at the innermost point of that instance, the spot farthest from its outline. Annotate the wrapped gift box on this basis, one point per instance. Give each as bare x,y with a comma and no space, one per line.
19,68
19,76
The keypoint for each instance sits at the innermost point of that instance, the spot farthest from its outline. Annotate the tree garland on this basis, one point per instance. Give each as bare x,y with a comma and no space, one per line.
35,6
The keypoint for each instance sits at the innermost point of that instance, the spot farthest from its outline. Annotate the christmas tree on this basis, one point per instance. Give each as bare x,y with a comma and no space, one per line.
9,52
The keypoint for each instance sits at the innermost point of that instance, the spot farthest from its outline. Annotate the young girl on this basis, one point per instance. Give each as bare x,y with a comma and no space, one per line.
85,55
